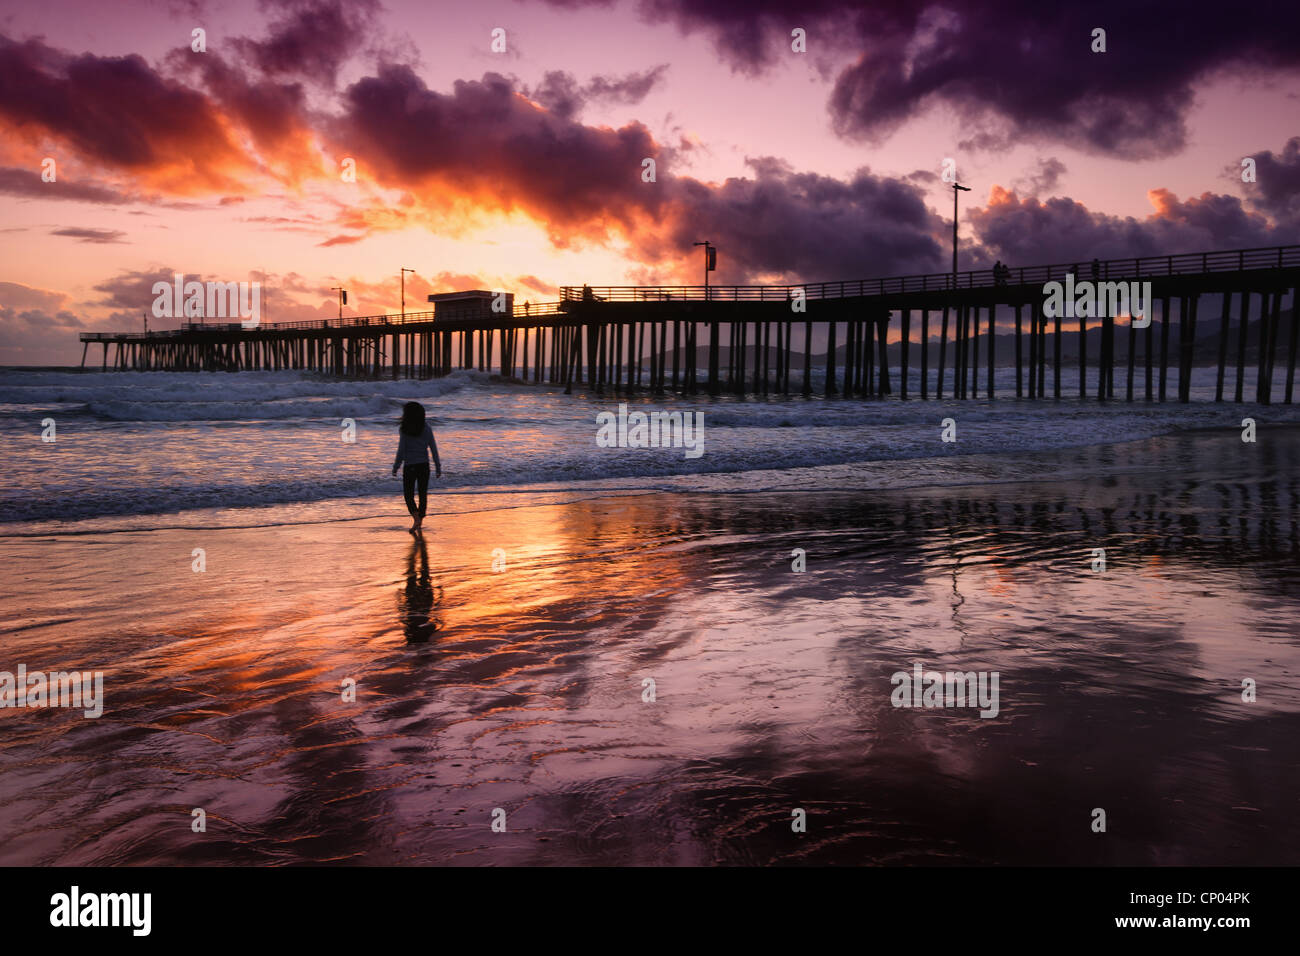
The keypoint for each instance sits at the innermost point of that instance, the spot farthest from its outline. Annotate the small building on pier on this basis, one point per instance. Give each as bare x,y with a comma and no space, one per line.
474,305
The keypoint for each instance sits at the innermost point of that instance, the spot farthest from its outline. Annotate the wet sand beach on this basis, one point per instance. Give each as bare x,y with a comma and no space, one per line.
522,687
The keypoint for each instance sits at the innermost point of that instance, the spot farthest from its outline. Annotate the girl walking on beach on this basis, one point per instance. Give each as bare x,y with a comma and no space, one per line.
414,442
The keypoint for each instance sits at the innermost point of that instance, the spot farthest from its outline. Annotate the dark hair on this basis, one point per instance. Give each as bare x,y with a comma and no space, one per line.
412,419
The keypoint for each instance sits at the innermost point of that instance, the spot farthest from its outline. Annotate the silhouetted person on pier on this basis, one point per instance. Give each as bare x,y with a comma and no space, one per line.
587,294
1000,273
1096,269
415,441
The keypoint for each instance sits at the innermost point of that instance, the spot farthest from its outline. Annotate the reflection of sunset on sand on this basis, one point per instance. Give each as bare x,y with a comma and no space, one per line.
522,688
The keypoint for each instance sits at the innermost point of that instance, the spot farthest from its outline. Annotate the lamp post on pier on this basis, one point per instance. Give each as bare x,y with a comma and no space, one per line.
956,188
404,272
710,264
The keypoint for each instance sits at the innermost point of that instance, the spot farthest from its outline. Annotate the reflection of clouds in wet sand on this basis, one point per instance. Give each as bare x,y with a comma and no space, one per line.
521,688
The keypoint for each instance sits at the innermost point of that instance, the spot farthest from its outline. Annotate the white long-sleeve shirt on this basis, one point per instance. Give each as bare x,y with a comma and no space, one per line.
412,450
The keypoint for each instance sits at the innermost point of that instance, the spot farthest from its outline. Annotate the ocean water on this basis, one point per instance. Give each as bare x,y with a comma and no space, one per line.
160,449
522,691
521,688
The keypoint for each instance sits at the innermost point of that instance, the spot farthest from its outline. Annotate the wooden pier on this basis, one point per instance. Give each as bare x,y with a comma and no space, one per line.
627,339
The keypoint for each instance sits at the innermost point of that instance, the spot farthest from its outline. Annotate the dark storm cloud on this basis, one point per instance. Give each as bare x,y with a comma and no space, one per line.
562,95
486,142
261,82
1060,230
1276,190
809,227
1007,68
559,93
270,111
483,146
751,33
1014,68
116,111
311,38
121,112
630,89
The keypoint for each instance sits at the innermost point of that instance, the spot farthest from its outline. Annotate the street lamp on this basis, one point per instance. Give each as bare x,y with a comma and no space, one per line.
343,299
710,263
404,272
955,189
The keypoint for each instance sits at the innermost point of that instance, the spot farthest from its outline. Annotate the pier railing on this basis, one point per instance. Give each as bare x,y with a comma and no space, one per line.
385,322
1145,267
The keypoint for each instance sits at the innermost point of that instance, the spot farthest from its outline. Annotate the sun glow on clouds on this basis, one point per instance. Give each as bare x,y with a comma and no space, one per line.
524,173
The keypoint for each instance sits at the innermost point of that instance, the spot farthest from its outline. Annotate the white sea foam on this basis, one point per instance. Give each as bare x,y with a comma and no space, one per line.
166,444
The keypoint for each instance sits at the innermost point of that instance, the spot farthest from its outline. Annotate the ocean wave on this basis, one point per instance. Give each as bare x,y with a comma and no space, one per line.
156,443
218,396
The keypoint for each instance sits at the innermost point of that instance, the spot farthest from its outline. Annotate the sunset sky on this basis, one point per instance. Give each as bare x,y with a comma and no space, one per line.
522,170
